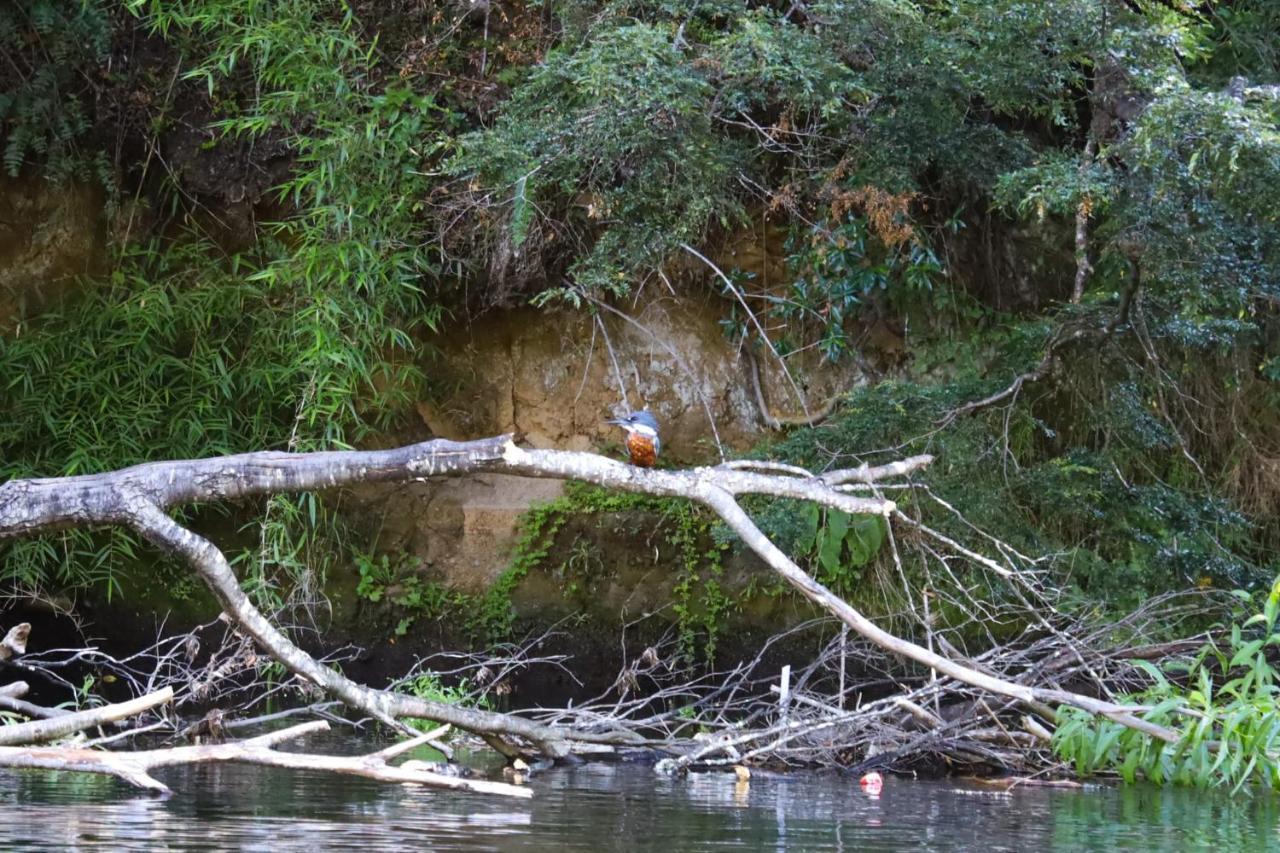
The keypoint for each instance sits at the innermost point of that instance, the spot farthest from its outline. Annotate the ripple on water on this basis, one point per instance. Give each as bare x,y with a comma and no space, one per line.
612,807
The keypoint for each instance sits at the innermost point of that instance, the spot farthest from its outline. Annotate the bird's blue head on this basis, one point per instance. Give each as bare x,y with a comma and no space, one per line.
642,422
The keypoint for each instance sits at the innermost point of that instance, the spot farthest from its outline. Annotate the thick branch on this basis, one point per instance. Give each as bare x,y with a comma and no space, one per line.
11,700
28,506
213,568
61,726
1047,365
27,709
727,508
864,474
138,496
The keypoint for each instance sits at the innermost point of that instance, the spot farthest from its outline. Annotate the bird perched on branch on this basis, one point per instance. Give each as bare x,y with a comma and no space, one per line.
643,443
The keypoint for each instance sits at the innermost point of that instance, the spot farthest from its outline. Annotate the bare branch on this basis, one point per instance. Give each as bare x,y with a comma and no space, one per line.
213,568
61,726
15,689
1083,209
135,767
137,497
864,474
732,514
27,709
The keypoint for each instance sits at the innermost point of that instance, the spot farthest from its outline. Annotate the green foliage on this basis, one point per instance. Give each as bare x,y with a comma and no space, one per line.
1203,169
840,267
176,352
179,355
699,600
430,687
51,48
1058,184
1124,520
383,579
304,341
620,127
1223,702
360,158
839,545
645,124
1241,41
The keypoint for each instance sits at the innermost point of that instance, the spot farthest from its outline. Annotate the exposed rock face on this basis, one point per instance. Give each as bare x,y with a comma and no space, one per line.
48,236
552,378
459,530
549,377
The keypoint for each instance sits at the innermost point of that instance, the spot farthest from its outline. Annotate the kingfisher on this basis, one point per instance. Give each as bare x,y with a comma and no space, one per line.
643,443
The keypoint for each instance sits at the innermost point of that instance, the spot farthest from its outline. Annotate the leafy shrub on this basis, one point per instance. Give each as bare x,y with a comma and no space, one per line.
51,48
1223,702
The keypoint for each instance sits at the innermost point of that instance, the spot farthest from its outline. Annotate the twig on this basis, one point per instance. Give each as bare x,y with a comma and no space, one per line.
728,283
864,474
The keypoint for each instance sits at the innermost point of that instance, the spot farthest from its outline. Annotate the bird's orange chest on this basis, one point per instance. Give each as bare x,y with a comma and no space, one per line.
642,450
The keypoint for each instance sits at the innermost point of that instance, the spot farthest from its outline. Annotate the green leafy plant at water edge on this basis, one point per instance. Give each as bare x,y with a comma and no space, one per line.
700,601
1223,701
432,688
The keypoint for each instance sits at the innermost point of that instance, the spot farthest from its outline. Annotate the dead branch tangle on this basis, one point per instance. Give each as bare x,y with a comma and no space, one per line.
138,498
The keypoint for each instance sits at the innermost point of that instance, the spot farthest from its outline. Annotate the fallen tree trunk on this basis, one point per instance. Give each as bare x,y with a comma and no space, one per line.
138,497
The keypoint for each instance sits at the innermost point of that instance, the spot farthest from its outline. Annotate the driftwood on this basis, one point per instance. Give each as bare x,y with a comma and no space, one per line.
61,725
135,767
137,497
14,643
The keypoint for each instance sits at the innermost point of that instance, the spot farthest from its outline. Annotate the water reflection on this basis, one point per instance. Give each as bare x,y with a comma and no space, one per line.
604,807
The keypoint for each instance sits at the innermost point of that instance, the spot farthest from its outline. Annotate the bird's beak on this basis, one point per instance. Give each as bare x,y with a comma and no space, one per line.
615,421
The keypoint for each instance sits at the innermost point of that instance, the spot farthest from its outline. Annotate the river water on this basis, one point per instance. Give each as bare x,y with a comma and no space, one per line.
616,807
